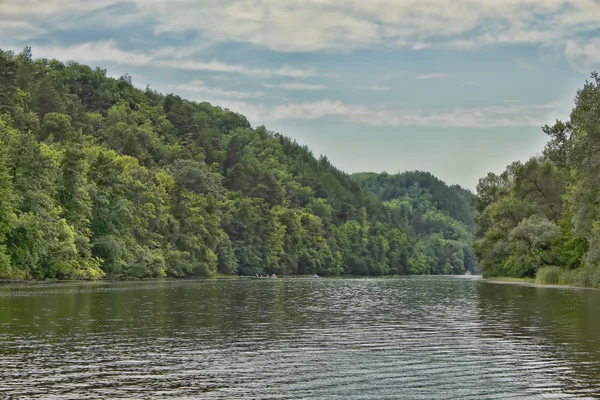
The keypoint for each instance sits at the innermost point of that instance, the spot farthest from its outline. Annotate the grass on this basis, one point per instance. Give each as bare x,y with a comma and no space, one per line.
553,275
584,277
510,279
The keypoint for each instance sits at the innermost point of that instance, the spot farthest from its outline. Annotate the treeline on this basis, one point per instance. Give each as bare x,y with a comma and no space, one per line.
100,179
440,216
422,190
541,218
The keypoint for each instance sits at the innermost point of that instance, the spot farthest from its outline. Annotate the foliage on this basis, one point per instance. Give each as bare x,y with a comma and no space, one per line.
542,217
554,275
439,217
100,179
424,190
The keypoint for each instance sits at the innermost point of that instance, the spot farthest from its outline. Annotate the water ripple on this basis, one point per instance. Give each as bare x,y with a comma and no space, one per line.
417,338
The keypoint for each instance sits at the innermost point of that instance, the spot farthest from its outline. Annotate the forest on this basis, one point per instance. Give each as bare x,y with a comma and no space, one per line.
101,180
541,218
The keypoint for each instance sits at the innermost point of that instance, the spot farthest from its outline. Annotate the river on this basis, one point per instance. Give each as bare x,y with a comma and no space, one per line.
380,338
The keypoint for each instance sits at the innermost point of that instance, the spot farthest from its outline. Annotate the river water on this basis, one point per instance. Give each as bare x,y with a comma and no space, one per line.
388,338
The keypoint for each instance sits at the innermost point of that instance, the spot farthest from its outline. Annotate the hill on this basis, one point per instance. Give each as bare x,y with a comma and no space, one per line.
421,188
100,179
428,199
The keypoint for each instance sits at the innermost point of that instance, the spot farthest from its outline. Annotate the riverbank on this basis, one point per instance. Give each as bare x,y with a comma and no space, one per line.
531,283
133,280
215,277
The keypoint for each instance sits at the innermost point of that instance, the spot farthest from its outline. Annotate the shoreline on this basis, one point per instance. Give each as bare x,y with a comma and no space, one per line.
35,282
532,283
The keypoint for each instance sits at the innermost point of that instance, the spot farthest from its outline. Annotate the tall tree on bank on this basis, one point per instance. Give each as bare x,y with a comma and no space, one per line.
544,213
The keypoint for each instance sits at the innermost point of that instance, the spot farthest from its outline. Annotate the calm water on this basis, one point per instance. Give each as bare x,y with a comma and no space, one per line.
416,338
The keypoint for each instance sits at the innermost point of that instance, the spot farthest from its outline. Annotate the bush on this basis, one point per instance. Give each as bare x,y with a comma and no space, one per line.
566,277
587,277
550,275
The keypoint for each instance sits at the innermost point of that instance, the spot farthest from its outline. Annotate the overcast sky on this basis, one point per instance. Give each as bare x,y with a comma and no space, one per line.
454,87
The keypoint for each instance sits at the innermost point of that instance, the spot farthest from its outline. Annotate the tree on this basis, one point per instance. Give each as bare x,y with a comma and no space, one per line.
8,81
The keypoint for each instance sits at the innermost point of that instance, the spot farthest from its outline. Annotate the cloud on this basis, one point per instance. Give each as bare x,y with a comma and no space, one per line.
325,25
64,14
511,115
481,117
583,56
331,25
375,88
92,52
21,30
199,87
20,9
335,25
107,51
432,76
297,86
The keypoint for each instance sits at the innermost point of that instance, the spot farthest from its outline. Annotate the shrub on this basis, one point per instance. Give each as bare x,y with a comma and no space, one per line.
548,275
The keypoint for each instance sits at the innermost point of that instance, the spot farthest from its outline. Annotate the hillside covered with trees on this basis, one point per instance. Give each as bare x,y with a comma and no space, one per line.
439,215
541,218
100,179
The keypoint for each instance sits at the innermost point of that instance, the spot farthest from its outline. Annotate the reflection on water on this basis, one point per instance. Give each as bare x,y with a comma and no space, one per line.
417,338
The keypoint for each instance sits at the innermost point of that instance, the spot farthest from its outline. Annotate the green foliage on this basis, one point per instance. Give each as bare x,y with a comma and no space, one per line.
542,218
7,205
438,217
421,189
100,179
554,275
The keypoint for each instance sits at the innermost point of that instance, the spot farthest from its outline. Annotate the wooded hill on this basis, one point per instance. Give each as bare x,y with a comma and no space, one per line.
100,179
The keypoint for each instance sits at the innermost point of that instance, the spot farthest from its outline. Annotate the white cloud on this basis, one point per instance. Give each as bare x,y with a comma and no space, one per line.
376,88
512,115
583,56
64,14
199,87
93,52
18,29
17,9
218,66
432,76
176,58
297,86
313,25
482,117
329,25
333,25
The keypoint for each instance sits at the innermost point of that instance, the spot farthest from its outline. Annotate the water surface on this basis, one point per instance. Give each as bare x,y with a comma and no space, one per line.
388,338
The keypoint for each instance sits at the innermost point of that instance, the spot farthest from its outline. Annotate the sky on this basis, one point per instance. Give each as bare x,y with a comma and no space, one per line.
458,88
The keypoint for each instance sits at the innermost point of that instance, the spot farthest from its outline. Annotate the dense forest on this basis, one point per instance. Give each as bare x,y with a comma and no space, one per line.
438,213
101,179
541,218
422,190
